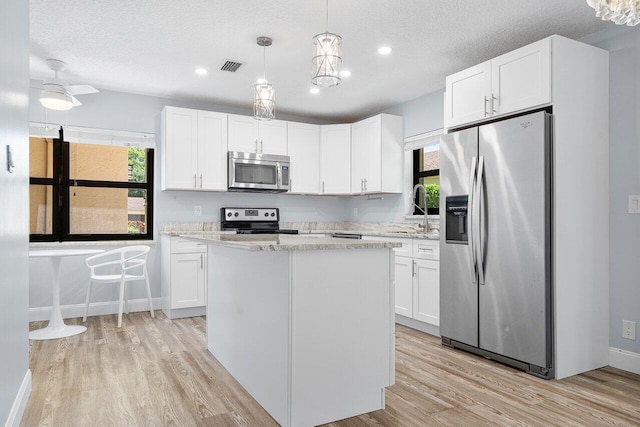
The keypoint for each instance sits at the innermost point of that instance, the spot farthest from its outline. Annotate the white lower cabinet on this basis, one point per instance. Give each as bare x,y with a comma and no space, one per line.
184,277
426,291
417,278
404,285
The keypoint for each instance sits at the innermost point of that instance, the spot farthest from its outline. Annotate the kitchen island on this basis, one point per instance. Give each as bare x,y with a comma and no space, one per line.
305,324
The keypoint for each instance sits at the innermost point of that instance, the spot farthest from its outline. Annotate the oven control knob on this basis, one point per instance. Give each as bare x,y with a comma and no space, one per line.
273,214
229,214
266,214
236,214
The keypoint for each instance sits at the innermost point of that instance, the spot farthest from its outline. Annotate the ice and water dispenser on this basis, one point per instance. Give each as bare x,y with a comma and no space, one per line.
456,219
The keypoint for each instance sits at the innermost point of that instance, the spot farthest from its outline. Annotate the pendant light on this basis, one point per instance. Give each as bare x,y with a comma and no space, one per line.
621,12
264,104
327,57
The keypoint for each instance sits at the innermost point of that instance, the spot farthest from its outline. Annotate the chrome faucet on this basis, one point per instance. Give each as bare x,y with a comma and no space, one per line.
416,190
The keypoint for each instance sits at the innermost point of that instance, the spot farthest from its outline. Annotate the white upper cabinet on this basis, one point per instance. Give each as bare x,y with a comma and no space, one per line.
335,159
249,135
515,81
194,150
304,151
466,96
522,79
377,155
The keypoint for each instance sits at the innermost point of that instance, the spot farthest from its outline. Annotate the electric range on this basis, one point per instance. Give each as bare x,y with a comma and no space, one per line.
252,221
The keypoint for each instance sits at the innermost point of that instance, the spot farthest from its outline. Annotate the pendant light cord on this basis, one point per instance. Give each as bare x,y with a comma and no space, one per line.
327,27
264,63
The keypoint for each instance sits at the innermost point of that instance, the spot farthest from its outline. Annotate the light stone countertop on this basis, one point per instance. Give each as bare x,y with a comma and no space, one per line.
285,242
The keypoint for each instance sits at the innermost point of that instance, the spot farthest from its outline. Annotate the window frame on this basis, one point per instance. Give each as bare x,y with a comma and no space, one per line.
61,190
417,174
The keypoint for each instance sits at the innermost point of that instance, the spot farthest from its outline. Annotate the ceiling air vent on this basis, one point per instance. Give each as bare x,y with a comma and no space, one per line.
231,66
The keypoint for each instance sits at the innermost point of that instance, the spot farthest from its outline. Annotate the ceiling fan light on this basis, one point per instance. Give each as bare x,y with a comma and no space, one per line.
54,100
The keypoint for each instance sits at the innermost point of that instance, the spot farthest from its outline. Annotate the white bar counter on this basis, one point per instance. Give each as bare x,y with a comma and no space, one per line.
305,324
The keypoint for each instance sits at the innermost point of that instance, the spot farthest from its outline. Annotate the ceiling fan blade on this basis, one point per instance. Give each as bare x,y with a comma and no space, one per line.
75,101
80,89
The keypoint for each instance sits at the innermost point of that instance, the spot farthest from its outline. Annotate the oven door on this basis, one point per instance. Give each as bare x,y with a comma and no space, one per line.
254,174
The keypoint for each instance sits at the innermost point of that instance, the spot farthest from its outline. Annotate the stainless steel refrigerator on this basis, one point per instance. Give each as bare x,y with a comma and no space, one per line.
495,245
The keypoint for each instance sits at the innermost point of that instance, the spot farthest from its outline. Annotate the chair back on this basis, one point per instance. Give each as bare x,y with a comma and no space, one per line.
125,257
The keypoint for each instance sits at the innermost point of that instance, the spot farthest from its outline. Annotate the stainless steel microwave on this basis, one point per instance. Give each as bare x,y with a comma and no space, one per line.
258,172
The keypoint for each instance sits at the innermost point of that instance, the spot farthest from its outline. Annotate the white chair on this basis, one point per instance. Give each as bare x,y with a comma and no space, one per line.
120,265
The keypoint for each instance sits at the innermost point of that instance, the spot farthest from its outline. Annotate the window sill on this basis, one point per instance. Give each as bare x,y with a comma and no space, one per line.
413,218
92,243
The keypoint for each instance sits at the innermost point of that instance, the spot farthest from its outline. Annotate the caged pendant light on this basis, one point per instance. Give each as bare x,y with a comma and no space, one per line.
327,57
264,103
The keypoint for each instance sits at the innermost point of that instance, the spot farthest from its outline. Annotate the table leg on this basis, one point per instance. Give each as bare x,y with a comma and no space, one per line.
56,327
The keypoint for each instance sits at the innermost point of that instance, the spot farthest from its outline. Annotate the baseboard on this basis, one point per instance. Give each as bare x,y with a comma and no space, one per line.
95,309
19,405
626,360
416,324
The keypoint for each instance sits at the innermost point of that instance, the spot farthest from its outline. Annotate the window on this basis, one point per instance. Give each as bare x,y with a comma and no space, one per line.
89,186
426,171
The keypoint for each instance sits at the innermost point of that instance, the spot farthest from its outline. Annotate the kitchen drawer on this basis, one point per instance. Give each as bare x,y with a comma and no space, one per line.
184,246
426,249
405,250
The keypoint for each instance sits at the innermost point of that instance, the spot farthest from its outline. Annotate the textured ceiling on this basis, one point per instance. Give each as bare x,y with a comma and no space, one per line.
153,46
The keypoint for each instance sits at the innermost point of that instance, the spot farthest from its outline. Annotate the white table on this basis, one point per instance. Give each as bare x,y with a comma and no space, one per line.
56,327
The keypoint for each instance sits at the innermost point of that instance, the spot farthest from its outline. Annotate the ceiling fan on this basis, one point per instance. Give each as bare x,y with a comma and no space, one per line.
56,94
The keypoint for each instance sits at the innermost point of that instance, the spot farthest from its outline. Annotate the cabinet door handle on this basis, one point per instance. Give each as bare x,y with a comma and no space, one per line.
261,146
361,185
486,100
323,186
257,146
424,249
365,184
195,180
493,107
200,180
413,268
201,261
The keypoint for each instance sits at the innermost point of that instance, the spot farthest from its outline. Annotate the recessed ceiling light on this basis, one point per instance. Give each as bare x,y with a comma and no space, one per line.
314,90
384,50
345,73
201,71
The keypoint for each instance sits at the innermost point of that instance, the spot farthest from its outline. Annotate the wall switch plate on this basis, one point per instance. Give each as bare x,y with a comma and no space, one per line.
629,329
634,204
197,211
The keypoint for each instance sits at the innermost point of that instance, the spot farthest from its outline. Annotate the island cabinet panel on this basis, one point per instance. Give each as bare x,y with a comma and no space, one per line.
308,333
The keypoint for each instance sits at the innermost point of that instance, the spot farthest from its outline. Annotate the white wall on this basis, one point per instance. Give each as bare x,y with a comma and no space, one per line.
124,111
623,45
14,196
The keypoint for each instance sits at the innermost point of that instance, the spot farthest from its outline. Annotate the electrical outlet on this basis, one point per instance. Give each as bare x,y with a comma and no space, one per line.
634,205
197,211
629,330
355,212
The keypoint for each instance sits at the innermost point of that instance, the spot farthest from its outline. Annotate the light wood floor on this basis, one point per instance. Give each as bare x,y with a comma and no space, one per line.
157,372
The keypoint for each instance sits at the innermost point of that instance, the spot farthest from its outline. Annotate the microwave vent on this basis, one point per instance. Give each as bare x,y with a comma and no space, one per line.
231,66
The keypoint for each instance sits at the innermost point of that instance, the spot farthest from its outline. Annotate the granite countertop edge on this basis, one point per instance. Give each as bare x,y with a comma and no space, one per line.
425,236
288,242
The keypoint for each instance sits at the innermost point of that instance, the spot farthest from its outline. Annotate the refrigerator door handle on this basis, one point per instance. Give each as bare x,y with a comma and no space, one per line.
479,242
472,189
